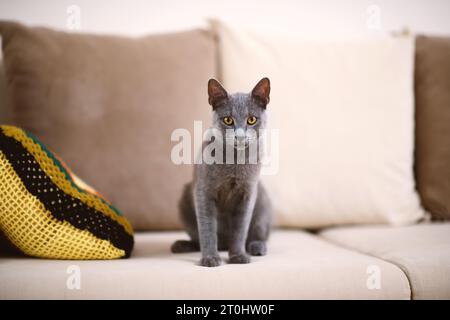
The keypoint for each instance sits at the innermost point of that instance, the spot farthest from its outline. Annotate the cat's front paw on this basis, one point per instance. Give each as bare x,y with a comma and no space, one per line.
257,248
211,261
239,258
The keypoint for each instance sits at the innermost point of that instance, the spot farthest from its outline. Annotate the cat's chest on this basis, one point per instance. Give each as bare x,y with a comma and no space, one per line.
237,173
230,190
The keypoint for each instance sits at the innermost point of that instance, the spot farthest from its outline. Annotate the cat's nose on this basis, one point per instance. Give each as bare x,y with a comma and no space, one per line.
240,135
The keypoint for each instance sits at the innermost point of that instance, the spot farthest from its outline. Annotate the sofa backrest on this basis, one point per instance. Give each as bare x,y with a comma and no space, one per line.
4,111
176,69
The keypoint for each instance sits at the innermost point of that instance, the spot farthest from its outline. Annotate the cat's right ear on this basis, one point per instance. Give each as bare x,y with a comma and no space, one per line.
216,93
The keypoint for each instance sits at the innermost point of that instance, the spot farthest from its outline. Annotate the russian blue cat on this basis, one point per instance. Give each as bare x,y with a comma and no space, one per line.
226,207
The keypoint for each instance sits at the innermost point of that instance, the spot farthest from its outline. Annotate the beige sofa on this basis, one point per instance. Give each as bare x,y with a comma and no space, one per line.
336,262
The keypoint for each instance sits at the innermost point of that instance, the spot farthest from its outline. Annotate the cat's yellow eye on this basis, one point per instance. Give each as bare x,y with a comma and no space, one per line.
251,120
228,121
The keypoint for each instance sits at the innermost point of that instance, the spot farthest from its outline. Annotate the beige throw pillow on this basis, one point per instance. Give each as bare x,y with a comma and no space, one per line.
345,115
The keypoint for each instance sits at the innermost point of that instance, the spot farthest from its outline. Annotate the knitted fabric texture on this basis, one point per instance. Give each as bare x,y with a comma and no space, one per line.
47,212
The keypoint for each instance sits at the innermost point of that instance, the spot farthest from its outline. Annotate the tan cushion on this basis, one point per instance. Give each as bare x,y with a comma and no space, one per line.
108,106
433,124
421,251
298,266
5,110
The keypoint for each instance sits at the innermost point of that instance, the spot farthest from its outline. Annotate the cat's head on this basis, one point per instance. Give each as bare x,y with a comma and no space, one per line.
243,114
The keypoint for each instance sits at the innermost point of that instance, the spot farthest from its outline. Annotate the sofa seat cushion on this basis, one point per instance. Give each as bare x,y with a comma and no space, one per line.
421,251
299,265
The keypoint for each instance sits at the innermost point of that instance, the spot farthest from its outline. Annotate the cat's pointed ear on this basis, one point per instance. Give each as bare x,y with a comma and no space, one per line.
261,92
216,93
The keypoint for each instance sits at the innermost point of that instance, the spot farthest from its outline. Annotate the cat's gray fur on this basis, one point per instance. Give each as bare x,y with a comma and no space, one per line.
226,207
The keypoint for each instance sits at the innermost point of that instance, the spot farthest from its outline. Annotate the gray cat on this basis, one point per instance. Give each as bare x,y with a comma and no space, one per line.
226,207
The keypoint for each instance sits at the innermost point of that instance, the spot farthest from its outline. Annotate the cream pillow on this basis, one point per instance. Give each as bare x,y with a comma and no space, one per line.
344,111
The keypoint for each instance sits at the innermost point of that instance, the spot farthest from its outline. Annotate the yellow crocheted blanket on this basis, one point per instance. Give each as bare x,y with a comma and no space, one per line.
48,212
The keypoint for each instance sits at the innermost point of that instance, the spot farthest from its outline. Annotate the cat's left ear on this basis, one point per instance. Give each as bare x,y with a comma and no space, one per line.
216,93
261,92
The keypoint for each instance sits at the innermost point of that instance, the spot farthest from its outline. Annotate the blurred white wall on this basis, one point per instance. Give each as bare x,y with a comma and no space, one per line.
137,17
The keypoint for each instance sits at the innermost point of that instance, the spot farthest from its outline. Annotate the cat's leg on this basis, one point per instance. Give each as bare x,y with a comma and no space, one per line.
206,212
184,246
260,225
240,220
222,231
187,215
